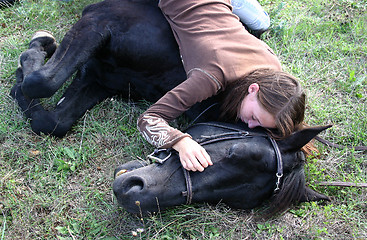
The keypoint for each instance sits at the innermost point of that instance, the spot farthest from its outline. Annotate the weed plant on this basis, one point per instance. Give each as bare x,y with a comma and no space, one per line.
61,188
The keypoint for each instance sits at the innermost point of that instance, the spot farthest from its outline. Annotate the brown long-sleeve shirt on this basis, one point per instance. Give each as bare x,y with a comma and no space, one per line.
216,49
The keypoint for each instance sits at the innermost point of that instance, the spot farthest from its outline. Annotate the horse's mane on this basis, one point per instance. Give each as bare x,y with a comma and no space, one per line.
291,191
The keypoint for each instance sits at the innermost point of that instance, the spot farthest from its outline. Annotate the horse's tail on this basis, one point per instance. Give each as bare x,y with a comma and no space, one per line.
292,191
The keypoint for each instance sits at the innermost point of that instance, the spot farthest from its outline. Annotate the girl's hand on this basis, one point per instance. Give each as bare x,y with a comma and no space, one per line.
193,157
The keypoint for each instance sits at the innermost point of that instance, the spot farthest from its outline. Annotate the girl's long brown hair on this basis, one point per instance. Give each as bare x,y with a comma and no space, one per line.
280,94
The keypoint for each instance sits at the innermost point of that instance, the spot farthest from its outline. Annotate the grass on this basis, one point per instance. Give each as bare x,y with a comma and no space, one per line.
61,188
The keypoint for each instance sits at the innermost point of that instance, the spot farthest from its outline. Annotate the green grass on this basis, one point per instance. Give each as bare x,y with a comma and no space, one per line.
61,188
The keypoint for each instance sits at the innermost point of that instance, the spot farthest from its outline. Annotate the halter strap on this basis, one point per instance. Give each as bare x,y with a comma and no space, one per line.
279,173
188,193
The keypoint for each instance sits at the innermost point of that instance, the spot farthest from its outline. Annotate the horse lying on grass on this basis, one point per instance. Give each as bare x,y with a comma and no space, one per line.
120,47
117,47
248,169
127,47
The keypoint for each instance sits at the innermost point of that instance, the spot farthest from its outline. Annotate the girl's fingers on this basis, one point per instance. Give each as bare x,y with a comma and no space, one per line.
207,157
197,165
193,157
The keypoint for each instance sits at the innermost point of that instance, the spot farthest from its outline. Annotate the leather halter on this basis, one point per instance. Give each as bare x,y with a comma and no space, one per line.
233,134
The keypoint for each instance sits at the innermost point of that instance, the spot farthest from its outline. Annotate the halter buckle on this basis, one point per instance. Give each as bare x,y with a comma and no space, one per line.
154,158
279,176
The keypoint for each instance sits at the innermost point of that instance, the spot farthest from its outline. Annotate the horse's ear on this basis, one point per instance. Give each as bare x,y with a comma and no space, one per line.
300,138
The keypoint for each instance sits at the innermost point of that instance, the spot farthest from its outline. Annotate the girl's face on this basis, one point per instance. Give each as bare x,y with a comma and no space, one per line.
252,113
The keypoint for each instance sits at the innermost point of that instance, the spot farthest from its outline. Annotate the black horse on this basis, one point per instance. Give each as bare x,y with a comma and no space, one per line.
126,47
123,47
249,168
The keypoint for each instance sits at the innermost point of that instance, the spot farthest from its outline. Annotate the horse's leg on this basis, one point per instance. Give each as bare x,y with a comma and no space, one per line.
41,46
79,43
82,94
26,104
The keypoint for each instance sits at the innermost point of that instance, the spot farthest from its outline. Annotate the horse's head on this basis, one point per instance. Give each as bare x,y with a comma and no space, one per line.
247,165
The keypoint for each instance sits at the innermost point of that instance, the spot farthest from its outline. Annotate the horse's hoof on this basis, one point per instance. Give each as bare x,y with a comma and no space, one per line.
46,41
15,90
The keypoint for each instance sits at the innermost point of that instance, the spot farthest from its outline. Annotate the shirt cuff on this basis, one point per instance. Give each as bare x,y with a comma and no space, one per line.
157,131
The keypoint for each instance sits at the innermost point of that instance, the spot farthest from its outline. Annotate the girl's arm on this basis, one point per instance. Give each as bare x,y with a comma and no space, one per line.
153,124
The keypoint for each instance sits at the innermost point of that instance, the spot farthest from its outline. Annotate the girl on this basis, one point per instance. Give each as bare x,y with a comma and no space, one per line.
220,56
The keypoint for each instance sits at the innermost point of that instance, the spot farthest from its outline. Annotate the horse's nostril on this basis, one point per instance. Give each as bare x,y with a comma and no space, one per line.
134,184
